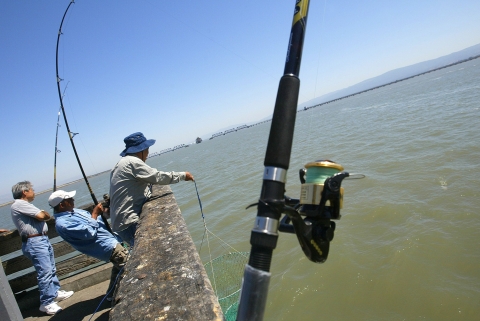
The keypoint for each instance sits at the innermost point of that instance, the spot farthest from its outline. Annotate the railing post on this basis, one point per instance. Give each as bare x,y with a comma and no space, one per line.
8,305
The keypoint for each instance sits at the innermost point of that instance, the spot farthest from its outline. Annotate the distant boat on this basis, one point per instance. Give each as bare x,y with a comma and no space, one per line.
198,140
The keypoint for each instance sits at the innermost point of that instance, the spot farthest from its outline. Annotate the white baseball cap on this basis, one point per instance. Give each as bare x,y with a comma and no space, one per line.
58,196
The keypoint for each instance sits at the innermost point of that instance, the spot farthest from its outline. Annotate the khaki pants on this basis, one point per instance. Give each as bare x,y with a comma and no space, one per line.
118,258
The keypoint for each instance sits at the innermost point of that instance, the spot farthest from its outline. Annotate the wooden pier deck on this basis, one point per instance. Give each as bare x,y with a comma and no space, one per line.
79,307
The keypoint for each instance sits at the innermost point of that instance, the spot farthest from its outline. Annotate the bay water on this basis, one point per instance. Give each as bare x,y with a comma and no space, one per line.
407,245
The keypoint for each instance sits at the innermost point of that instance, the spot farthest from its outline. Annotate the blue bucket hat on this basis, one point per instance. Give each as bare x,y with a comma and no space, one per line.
135,143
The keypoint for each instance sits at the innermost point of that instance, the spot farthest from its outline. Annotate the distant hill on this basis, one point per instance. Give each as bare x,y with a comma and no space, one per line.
388,77
397,74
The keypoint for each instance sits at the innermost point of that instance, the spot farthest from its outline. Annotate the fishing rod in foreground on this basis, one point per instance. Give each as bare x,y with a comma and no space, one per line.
321,197
70,134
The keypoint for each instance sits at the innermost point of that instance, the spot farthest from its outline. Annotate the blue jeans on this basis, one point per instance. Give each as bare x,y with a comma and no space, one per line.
128,234
39,250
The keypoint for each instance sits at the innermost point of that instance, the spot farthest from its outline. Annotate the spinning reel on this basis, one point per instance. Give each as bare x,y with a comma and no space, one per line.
321,199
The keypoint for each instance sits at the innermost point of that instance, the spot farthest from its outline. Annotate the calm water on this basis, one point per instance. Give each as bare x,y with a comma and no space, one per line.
407,246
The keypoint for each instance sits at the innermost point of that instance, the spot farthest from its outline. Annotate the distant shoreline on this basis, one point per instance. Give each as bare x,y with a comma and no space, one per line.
390,83
51,189
298,110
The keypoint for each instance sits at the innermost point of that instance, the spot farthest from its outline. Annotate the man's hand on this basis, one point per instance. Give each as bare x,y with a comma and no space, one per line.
106,212
189,177
42,216
97,210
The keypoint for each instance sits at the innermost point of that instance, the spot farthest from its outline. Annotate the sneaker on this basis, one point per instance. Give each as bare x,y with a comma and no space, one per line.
63,295
51,308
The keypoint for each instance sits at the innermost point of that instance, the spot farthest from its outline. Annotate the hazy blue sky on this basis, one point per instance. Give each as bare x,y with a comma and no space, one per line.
180,69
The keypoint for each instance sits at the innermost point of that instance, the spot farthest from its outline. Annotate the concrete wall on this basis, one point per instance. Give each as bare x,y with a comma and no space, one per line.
164,278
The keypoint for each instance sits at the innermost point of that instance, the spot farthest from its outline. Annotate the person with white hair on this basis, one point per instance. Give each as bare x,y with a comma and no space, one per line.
32,227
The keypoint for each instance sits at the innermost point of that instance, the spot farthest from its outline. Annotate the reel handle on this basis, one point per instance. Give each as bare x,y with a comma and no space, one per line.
302,173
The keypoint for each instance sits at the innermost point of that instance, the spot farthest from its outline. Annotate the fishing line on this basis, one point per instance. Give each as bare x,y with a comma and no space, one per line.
205,224
199,201
208,240
203,218
205,233
106,295
318,64
113,286
311,120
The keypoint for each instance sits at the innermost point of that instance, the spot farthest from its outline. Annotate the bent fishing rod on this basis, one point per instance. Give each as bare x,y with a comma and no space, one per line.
70,134
321,197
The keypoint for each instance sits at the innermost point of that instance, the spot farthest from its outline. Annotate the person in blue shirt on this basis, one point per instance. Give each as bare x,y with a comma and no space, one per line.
87,232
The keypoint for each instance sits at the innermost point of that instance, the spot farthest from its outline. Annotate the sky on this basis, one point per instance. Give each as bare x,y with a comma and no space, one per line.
178,70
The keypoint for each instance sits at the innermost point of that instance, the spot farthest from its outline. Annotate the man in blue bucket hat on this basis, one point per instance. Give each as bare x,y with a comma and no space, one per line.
129,185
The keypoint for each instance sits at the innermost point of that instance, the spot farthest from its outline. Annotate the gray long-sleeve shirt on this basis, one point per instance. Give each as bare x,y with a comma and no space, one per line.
129,182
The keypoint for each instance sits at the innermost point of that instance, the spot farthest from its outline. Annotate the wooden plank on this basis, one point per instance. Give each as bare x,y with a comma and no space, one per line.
29,280
164,278
9,242
62,248
21,262
74,264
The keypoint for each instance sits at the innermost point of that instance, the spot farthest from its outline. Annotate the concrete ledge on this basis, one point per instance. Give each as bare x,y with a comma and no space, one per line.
164,278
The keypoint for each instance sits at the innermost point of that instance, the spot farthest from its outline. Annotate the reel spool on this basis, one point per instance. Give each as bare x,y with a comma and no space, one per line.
313,178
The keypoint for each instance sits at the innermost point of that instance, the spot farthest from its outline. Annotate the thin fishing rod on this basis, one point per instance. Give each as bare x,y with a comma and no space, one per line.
264,235
56,152
66,122
56,148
